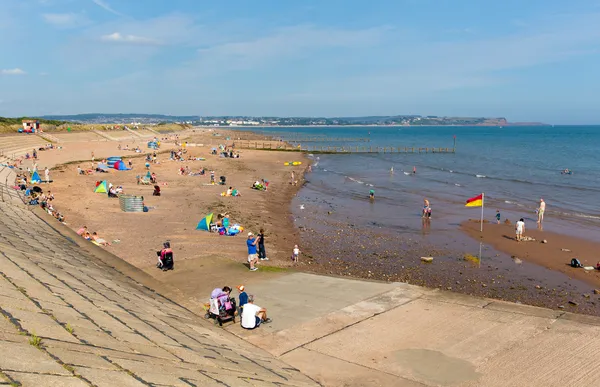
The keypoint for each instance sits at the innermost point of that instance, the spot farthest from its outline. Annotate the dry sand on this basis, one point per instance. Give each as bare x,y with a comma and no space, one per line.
184,202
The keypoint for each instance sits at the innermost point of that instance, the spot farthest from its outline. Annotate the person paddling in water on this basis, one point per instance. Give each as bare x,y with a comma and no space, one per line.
426,209
372,194
541,211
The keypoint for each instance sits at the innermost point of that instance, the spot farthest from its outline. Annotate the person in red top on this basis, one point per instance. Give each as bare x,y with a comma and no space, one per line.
165,257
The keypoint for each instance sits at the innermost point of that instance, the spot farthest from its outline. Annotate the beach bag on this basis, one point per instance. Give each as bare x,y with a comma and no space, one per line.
575,263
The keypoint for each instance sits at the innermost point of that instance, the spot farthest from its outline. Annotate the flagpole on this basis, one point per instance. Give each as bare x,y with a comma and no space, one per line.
482,203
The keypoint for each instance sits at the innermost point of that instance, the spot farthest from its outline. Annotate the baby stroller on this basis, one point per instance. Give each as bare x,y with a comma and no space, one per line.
222,180
221,313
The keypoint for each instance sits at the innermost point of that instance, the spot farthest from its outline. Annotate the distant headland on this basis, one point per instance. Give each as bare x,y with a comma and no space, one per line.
229,121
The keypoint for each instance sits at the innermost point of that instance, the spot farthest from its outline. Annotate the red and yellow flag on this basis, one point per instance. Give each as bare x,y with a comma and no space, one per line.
476,201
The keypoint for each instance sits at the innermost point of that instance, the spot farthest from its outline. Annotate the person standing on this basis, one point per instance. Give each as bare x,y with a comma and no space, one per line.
251,242
262,253
243,297
541,210
520,229
93,157
47,175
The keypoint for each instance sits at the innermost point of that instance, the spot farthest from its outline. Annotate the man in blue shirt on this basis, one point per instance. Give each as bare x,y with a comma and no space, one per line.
252,256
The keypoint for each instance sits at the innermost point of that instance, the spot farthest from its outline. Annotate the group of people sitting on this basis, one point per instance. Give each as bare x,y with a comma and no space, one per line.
230,154
232,192
92,237
152,179
113,192
223,306
178,155
261,185
126,147
186,171
35,196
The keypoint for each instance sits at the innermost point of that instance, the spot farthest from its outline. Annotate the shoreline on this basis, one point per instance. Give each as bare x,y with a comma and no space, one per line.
283,232
552,255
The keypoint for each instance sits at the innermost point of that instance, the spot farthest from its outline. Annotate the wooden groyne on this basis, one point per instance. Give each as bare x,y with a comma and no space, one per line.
324,139
282,146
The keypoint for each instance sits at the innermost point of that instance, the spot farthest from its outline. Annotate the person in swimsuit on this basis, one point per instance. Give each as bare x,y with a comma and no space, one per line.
372,194
541,211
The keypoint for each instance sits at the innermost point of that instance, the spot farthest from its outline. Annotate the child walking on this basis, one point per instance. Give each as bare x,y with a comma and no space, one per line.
295,253
498,216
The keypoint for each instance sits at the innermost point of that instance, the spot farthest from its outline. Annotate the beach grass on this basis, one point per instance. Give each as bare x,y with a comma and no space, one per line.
76,127
273,269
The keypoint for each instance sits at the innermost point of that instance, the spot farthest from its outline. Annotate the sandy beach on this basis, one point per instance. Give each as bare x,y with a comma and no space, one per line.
184,201
330,245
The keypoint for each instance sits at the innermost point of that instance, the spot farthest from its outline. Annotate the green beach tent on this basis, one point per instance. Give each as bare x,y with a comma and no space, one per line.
35,177
204,224
102,187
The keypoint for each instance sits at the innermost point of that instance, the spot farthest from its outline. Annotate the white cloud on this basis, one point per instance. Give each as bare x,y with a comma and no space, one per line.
15,71
131,39
65,20
106,7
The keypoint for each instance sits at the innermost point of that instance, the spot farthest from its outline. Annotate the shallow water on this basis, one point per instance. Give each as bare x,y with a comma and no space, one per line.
513,166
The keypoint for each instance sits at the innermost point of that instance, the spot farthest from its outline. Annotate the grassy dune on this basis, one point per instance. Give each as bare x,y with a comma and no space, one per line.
8,126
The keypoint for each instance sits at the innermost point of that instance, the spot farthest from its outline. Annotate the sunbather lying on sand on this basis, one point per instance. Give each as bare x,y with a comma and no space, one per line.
99,240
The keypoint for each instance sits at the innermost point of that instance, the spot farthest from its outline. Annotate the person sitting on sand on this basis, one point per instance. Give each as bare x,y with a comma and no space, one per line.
112,192
235,192
229,191
82,230
253,315
153,178
156,191
101,241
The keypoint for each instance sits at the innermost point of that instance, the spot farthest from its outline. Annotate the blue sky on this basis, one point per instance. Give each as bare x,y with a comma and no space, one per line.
527,60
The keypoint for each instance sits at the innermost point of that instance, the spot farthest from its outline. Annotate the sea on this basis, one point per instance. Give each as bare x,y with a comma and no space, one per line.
514,166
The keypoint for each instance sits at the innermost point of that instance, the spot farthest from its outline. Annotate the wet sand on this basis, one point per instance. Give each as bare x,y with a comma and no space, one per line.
552,255
336,244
